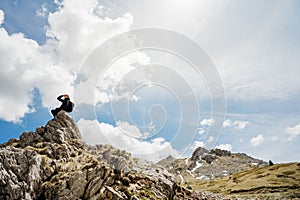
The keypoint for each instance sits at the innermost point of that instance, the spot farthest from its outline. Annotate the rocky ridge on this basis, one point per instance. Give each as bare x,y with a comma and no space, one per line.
54,163
209,164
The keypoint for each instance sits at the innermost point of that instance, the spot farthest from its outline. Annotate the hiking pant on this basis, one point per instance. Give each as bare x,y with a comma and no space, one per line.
55,111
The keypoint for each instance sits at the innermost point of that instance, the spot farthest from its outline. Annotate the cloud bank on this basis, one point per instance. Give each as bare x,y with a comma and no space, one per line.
94,132
74,30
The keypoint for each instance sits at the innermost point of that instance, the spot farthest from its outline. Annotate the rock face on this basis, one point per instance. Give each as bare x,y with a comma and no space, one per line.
30,162
54,163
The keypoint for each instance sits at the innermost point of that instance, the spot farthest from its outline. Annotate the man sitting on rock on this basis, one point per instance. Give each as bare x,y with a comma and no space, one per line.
66,105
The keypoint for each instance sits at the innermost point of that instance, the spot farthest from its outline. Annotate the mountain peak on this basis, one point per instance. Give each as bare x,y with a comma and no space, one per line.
198,153
60,130
209,164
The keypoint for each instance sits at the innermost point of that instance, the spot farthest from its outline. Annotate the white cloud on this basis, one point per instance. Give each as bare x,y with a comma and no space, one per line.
135,98
197,144
235,124
274,138
292,132
240,124
201,131
1,17
227,123
129,129
74,30
115,76
94,132
77,28
210,139
207,122
227,147
257,140
23,67
203,143
42,12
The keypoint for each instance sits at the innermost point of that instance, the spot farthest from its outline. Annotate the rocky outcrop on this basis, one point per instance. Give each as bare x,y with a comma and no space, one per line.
119,159
203,154
199,153
26,164
209,164
54,163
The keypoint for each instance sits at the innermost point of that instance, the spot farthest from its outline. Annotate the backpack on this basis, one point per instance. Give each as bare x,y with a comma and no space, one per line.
70,106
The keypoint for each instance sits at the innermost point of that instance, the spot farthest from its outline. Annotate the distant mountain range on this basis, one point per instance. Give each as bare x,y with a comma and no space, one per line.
55,163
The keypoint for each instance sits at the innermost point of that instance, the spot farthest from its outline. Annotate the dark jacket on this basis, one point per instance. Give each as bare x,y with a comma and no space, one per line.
64,101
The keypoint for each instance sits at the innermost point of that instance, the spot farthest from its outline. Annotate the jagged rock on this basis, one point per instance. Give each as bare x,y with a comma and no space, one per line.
63,130
54,163
209,164
198,153
20,173
120,159
219,152
209,158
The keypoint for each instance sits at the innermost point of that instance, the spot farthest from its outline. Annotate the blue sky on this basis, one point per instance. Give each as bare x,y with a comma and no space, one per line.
254,45
26,21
